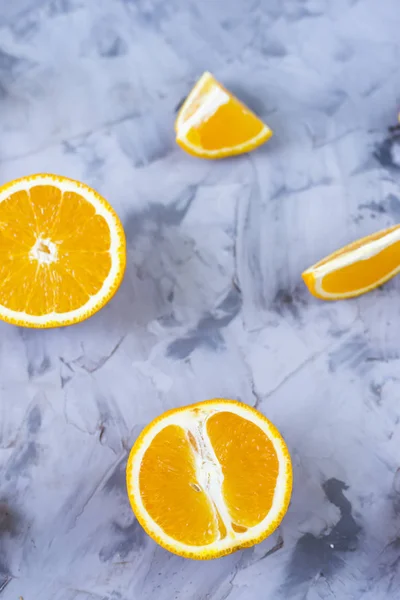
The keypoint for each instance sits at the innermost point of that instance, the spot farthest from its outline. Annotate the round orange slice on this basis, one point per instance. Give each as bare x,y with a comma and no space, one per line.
62,251
212,123
208,479
357,268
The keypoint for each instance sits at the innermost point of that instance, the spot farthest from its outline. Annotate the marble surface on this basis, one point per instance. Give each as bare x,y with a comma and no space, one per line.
212,303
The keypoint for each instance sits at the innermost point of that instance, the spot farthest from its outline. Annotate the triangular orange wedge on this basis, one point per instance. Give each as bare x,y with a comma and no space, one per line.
62,251
212,123
356,268
208,479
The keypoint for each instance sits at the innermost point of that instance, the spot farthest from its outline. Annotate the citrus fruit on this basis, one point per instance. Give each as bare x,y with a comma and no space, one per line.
357,268
210,478
212,123
62,251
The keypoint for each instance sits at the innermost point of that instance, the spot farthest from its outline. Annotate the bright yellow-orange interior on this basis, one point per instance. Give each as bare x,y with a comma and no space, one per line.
249,464
172,494
364,273
170,490
231,123
72,238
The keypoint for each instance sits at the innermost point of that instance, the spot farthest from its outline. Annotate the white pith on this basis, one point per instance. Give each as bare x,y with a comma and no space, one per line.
210,476
364,252
208,470
215,98
65,185
44,257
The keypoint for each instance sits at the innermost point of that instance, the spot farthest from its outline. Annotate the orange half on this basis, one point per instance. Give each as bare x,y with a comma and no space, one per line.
357,268
62,251
210,478
212,123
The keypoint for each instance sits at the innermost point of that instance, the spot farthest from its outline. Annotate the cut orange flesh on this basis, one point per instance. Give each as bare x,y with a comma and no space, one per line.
62,251
212,123
249,465
357,268
168,479
210,478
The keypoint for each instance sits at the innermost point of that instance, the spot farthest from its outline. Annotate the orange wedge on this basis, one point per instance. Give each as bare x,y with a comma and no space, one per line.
62,251
356,268
208,479
212,123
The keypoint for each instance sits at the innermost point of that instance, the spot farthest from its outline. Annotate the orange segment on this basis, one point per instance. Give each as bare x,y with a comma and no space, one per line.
357,268
89,269
210,478
170,490
43,293
91,236
249,464
18,277
45,201
17,222
212,123
62,251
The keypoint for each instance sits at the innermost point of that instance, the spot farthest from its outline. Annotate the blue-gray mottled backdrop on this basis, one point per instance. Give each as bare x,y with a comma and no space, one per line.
212,303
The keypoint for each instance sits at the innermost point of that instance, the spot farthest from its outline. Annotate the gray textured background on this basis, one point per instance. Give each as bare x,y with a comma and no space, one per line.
212,303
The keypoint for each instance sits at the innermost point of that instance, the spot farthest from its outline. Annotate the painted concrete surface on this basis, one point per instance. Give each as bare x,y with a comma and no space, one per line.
212,303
